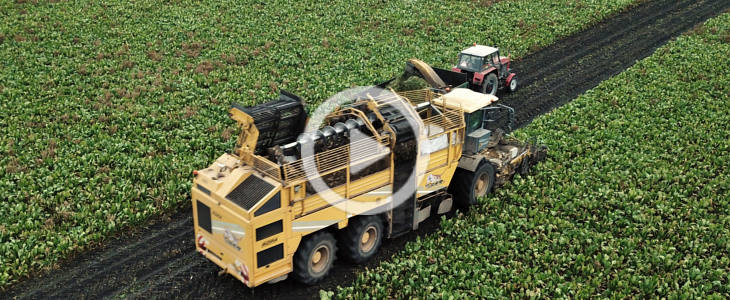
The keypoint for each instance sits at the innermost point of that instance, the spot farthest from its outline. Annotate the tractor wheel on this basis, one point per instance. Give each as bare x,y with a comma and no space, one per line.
314,258
468,186
490,84
513,84
362,238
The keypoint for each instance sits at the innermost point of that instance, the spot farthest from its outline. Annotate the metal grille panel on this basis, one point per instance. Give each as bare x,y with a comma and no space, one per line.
250,192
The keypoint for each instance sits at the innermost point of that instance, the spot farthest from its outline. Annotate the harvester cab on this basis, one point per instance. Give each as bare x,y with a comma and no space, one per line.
486,69
486,120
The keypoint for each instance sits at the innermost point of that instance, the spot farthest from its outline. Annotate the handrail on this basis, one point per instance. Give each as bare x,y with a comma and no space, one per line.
267,167
331,160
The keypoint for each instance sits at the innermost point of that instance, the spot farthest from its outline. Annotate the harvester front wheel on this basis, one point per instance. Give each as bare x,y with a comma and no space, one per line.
468,186
489,86
314,258
362,238
524,168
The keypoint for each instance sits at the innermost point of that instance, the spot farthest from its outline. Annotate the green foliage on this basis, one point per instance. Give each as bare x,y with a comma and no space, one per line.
409,84
633,201
107,106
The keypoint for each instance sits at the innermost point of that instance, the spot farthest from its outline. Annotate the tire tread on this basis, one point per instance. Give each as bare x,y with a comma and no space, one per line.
301,257
350,239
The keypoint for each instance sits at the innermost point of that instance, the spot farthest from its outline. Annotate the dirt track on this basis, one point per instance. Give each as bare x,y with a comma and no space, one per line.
160,261
557,74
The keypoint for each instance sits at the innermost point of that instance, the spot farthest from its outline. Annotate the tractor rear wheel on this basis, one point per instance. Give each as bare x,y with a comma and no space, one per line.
362,238
468,186
490,84
314,258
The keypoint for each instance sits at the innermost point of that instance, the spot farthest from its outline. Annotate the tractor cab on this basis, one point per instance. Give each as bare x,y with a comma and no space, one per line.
481,58
486,69
478,58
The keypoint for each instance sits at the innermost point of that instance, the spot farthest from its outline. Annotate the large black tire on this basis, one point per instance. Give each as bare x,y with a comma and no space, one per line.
310,267
362,238
490,84
468,186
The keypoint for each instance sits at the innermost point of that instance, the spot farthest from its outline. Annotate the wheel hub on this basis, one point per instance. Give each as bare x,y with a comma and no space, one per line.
481,186
320,258
367,241
365,237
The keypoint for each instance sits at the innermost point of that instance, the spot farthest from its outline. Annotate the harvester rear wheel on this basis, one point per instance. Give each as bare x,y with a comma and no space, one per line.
490,84
314,258
362,238
468,186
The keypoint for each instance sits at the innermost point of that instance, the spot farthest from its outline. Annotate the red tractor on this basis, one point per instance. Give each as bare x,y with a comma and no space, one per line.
486,70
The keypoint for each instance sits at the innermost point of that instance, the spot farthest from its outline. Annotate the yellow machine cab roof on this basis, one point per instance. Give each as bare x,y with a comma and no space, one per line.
465,99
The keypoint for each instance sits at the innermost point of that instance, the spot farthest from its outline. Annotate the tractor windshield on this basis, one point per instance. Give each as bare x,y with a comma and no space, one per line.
494,59
470,62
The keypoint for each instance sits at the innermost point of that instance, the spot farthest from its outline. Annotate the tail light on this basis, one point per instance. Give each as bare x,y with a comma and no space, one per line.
243,270
202,242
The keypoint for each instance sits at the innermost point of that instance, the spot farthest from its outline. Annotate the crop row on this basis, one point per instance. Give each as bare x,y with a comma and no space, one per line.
106,107
633,201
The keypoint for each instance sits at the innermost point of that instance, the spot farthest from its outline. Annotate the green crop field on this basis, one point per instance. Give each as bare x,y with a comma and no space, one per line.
107,107
633,201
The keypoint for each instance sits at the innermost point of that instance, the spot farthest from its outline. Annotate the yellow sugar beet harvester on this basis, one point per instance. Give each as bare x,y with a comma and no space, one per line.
284,202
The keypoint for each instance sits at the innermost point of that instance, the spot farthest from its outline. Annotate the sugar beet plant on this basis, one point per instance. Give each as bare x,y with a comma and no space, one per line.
633,201
106,107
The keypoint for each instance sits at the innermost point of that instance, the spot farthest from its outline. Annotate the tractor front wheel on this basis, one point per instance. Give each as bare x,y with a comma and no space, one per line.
513,84
314,258
490,84
468,186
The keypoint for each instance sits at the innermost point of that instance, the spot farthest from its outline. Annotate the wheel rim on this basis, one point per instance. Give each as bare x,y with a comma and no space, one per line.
480,187
320,258
513,84
368,238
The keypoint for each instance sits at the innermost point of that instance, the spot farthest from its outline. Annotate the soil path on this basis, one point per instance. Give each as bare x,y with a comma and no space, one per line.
159,261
